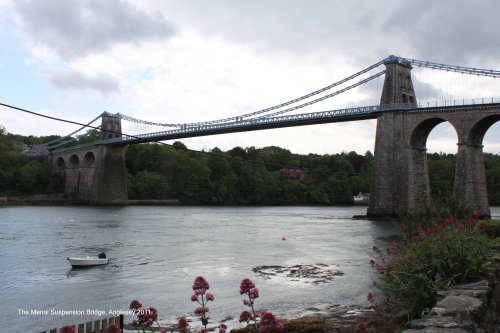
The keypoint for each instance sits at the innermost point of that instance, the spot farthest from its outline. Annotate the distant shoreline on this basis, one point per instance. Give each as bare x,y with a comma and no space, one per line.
55,200
60,199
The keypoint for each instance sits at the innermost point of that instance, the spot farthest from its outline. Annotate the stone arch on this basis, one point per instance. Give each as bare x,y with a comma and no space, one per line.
72,176
405,99
60,165
419,189
479,129
412,99
86,176
74,162
89,160
420,133
470,178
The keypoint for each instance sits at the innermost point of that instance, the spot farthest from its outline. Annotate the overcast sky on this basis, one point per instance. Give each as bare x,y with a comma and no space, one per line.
178,61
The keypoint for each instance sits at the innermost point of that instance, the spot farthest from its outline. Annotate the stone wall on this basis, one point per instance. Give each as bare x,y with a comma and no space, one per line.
473,307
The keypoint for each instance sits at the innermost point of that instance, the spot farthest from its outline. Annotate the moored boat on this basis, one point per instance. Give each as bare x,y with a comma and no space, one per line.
88,261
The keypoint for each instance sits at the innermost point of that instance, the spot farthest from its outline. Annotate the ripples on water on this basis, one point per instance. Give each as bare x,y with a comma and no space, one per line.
156,252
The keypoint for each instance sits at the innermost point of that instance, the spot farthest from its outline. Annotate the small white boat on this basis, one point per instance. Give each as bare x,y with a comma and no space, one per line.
88,261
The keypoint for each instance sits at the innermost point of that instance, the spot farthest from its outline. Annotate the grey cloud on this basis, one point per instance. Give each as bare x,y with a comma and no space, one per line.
76,80
451,31
303,28
75,28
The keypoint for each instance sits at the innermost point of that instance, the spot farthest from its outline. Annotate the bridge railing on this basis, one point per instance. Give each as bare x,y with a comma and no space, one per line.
460,102
256,121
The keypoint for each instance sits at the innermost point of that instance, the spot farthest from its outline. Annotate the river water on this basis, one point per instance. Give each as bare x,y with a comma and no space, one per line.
156,253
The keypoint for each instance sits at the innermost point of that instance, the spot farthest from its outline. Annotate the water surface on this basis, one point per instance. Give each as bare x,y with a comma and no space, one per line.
156,252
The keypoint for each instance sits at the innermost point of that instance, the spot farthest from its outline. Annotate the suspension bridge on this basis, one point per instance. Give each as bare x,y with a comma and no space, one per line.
95,172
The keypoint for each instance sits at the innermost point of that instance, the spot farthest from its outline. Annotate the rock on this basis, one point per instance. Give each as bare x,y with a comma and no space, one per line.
314,273
441,322
491,321
437,330
460,308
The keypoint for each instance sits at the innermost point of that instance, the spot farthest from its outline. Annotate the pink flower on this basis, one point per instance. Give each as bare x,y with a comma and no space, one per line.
67,329
201,310
135,304
163,330
194,298
182,322
210,297
113,328
245,316
370,297
246,285
253,293
222,328
269,322
372,262
200,283
376,249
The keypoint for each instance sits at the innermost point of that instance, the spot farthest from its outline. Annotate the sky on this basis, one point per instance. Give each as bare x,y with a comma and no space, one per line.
179,61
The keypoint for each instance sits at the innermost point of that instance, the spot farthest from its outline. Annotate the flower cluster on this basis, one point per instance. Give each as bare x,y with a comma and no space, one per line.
222,328
113,328
182,325
269,323
145,317
200,287
248,287
438,224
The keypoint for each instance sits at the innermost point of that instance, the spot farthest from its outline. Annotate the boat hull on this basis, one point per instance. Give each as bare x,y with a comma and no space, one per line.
87,261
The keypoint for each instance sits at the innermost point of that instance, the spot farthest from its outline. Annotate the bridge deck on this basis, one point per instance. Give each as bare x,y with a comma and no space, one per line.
263,123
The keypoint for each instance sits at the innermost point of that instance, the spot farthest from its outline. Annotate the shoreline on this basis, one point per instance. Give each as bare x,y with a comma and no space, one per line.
59,199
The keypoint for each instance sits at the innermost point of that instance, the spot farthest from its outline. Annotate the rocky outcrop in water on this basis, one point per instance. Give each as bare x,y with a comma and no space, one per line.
311,273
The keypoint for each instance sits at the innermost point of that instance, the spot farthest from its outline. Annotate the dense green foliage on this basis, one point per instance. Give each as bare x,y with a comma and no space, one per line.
435,252
245,176
21,176
252,175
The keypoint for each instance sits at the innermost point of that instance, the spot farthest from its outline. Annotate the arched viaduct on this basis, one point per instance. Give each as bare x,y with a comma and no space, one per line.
400,181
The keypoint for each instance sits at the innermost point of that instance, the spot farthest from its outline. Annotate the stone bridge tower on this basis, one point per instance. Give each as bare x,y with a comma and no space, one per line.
110,179
95,173
389,187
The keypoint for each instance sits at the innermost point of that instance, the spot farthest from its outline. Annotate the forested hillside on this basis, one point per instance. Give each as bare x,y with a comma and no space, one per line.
269,175
260,176
20,176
